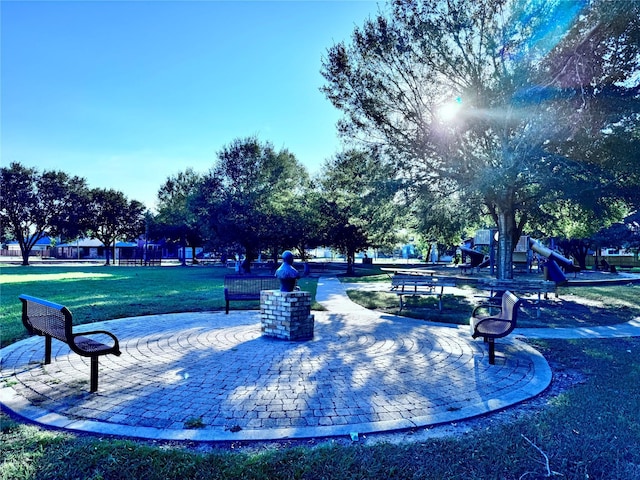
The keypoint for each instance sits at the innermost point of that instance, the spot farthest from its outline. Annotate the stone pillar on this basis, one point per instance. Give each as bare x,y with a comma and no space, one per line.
286,315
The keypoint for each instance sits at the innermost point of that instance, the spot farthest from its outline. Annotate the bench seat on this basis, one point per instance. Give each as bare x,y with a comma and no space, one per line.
491,327
465,267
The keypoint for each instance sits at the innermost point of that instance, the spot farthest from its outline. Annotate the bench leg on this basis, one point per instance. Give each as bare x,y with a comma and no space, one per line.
492,352
401,304
226,308
47,350
94,374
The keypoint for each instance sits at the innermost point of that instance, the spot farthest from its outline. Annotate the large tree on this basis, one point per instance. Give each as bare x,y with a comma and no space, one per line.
304,222
508,104
176,219
358,189
248,198
110,216
34,204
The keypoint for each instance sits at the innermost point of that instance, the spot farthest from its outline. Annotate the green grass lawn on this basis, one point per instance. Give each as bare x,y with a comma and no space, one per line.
97,293
590,428
575,306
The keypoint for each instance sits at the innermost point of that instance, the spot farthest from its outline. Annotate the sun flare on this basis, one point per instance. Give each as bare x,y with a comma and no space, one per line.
449,110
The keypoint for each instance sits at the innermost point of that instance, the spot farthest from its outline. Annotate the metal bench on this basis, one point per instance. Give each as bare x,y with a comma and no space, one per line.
419,285
491,327
247,287
52,320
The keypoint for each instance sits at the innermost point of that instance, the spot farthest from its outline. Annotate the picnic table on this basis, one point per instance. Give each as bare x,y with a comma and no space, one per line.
418,285
533,286
409,271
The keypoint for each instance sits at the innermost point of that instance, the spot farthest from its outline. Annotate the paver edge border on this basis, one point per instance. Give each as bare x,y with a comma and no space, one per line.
19,406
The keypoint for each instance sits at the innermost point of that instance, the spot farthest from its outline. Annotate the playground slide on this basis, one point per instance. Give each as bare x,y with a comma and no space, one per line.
555,260
485,263
477,258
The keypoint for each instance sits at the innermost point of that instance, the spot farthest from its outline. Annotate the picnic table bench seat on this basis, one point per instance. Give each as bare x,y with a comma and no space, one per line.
408,271
52,320
407,285
247,287
522,286
490,327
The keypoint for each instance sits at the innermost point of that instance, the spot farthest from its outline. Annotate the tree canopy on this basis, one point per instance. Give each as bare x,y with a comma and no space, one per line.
111,216
357,189
176,219
509,105
34,204
247,197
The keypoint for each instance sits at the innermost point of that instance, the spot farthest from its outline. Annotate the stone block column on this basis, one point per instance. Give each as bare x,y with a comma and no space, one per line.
286,315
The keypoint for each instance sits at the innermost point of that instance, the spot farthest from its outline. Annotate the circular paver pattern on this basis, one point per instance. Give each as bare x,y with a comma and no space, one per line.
211,376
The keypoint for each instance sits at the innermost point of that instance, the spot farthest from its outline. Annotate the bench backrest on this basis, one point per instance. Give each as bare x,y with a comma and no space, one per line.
42,317
510,307
250,284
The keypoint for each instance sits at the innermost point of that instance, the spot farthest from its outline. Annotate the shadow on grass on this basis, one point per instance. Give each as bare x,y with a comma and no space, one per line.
590,430
455,308
569,311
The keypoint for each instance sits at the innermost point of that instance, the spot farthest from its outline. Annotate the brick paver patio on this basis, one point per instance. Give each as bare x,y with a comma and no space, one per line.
362,372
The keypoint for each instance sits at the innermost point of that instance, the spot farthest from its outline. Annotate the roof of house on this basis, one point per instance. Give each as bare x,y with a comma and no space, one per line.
43,242
83,242
94,243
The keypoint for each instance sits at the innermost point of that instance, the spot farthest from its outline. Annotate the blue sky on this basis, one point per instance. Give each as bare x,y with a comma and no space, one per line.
126,94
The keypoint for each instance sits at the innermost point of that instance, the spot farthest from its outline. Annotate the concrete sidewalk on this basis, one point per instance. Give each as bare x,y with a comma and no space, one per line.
213,377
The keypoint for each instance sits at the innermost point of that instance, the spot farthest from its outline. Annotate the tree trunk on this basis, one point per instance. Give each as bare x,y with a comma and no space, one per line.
25,249
183,244
351,255
506,232
582,250
248,258
107,254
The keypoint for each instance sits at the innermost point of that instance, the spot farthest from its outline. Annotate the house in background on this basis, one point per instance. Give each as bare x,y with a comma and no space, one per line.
82,248
43,248
140,252
125,252
91,248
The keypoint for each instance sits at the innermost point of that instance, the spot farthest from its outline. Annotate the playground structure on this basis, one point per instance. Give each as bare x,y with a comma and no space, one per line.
476,259
553,265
